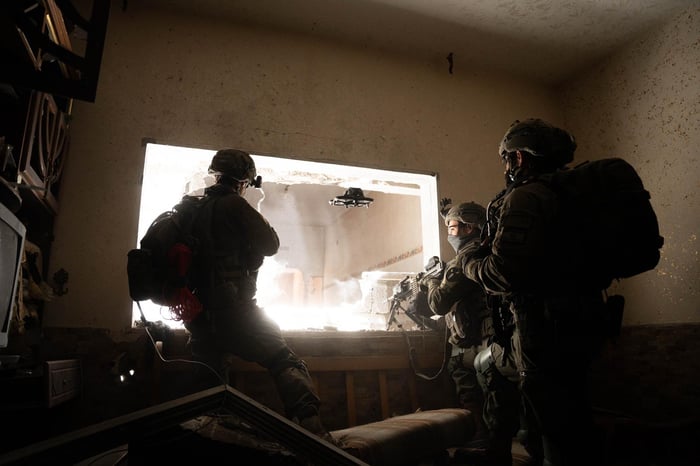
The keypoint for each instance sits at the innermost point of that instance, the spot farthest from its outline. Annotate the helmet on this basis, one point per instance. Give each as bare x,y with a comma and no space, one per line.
467,212
540,139
234,163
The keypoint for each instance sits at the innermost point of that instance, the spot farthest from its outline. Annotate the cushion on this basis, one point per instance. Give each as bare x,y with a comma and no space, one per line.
409,438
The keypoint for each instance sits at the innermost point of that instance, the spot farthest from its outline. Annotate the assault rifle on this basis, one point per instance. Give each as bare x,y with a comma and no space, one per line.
408,291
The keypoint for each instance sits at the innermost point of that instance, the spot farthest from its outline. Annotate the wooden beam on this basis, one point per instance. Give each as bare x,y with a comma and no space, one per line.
350,395
413,393
383,394
350,363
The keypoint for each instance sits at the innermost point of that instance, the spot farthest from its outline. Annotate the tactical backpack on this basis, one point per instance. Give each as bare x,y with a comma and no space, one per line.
160,270
607,213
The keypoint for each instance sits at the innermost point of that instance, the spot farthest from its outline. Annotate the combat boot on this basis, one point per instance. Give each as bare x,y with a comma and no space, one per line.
314,425
481,438
495,452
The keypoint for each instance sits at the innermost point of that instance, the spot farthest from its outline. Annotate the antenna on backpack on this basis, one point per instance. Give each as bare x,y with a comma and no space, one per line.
144,321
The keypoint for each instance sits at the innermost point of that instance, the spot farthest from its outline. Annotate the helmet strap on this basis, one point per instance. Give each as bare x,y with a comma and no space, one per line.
513,161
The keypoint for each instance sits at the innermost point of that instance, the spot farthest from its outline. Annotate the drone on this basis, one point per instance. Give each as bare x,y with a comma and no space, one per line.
353,197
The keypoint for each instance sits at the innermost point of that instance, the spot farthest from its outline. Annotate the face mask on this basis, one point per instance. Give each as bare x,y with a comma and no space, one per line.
457,242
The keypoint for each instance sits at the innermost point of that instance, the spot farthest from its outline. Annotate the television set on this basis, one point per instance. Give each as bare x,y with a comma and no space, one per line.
12,234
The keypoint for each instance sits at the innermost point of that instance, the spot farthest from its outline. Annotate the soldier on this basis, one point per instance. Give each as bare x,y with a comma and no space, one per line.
233,246
558,312
462,302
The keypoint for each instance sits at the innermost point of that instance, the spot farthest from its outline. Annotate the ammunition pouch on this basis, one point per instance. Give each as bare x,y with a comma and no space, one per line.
501,319
614,307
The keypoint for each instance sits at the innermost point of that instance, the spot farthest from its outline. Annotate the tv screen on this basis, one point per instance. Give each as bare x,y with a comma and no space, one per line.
12,233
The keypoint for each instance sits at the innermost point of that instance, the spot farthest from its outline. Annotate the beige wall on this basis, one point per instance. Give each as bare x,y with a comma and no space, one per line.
643,104
209,84
377,238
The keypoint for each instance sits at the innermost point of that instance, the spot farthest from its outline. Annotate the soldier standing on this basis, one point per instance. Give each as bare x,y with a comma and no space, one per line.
558,314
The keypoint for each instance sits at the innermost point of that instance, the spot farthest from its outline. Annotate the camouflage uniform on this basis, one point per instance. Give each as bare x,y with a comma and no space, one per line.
463,304
503,411
557,316
235,245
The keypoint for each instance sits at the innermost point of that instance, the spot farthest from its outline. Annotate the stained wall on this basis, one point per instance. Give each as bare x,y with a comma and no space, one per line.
642,104
210,83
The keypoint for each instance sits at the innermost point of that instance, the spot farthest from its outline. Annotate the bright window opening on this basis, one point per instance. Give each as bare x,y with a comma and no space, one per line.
337,266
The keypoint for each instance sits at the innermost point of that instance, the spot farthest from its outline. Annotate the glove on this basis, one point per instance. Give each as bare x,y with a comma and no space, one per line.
445,204
433,262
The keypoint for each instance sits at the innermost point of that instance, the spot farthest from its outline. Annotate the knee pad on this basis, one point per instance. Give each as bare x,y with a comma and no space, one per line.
285,360
484,360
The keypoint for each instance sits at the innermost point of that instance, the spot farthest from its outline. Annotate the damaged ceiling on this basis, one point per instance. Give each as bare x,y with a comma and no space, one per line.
543,40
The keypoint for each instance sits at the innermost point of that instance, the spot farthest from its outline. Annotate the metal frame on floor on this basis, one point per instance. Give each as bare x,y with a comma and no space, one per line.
132,428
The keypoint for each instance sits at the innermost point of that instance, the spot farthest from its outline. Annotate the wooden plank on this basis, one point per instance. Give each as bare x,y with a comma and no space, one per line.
157,373
350,395
413,392
383,394
316,385
350,363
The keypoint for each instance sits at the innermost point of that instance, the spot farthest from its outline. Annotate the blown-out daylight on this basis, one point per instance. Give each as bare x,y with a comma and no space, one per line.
339,260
